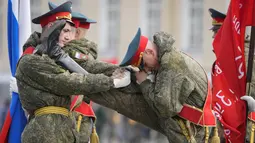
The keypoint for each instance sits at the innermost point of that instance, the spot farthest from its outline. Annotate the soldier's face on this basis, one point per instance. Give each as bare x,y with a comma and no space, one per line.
66,35
150,58
80,33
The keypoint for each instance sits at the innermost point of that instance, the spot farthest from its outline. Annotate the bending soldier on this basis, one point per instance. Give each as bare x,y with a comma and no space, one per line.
174,85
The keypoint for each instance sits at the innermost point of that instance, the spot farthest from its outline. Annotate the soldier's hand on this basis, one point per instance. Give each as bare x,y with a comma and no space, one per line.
54,28
54,50
250,101
122,81
141,76
49,40
118,73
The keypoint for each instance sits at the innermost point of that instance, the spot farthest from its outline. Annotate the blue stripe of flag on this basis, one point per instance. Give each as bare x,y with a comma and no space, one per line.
17,113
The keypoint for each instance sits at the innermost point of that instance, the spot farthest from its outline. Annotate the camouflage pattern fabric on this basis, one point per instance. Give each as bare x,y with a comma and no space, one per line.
154,105
41,82
179,80
32,41
83,46
89,48
158,104
127,101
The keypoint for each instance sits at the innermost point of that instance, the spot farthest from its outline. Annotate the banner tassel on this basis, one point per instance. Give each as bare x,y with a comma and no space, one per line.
215,138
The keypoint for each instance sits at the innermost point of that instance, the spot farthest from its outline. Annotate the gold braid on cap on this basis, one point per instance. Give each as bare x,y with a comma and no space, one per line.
214,22
139,60
69,17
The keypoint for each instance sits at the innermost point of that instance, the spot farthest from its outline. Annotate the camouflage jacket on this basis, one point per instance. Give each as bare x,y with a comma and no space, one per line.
84,52
41,82
32,41
179,79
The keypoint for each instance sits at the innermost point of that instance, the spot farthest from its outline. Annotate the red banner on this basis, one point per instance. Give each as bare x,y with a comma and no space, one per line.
229,71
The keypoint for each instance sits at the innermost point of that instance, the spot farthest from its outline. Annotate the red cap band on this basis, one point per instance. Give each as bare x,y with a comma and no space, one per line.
60,15
217,21
85,25
137,58
76,22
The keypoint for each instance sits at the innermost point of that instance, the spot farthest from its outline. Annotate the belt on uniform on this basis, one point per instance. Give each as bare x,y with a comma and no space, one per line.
51,110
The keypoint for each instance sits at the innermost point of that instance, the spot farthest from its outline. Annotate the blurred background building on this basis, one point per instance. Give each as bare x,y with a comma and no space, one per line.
117,22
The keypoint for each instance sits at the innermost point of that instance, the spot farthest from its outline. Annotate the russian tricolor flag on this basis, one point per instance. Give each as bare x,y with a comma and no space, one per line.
19,29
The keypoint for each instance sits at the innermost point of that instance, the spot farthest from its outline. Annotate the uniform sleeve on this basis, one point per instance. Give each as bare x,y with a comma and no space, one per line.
55,79
131,105
169,92
96,66
85,52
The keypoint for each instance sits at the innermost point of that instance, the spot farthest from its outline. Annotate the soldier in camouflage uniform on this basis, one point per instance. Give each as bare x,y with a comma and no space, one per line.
44,86
88,50
85,117
168,80
84,114
121,100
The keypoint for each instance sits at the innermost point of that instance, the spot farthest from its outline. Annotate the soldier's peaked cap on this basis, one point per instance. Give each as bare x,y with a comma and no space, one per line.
79,19
63,11
217,17
135,50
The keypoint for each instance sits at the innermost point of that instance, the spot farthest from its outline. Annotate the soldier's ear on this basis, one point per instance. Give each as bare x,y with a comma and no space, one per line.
49,24
77,32
85,32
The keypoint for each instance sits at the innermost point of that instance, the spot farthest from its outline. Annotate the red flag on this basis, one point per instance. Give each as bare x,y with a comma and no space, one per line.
229,71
